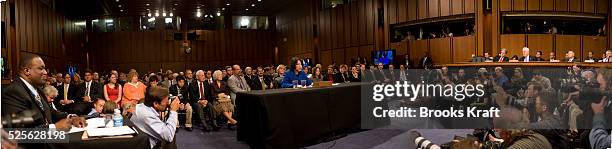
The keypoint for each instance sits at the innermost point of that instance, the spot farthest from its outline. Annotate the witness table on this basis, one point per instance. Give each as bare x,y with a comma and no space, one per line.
140,141
293,118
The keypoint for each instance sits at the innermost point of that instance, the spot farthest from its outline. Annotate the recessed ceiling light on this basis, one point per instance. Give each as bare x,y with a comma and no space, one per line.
156,14
171,14
173,8
121,10
253,5
198,14
223,8
175,4
116,0
164,14
148,9
227,4
147,4
246,9
119,6
149,14
259,0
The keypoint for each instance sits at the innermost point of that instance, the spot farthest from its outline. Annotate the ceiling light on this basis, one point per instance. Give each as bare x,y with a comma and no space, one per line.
206,16
227,4
149,14
148,9
171,14
156,14
108,20
164,14
223,8
175,4
259,0
253,5
121,10
119,6
116,0
247,9
218,13
198,14
147,4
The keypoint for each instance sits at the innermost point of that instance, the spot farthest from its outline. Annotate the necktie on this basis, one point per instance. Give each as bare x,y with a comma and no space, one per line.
263,84
501,59
87,89
201,91
38,100
66,91
526,59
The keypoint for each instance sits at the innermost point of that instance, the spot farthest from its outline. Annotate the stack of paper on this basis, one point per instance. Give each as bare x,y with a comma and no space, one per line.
113,131
92,123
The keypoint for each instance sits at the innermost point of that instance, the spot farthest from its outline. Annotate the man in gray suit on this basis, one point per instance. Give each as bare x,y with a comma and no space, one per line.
237,83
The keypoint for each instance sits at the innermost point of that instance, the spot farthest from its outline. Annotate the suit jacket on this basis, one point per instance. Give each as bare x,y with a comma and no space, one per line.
250,80
95,91
576,59
237,84
426,62
505,59
72,95
17,98
194,92
257,84
539,59
393,75
339,79
531,58
353,78
184,91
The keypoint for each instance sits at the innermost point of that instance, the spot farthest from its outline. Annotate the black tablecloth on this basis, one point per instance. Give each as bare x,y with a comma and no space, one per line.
140,141
292,118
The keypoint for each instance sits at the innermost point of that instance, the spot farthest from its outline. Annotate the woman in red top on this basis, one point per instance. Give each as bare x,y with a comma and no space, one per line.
112,90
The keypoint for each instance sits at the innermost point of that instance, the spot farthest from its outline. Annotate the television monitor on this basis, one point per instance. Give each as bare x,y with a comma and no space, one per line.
383,56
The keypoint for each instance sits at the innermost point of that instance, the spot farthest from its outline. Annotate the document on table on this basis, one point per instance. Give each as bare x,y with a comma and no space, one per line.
113,131
92,123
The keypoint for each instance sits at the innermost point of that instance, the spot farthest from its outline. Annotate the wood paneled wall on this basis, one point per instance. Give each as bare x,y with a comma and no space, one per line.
443,50
560,44
400,11
344,32
586,6
40,30
154,50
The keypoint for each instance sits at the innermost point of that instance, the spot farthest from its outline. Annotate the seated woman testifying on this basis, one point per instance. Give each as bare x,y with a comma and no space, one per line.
295,75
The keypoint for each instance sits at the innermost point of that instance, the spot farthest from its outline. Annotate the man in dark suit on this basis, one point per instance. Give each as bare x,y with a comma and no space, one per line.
201,101
392,74
261,82
24,96
570,57
88,91
66,95
526,57
502,56
426,62
249,76
181,91
342,76
538,56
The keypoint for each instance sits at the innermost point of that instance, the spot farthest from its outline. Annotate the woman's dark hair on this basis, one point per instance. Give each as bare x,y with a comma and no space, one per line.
153,78
294,61
155,95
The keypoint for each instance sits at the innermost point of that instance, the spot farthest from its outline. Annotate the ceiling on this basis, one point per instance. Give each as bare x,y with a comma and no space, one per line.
183,8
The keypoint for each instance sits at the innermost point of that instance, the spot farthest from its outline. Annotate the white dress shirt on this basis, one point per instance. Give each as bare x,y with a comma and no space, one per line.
147,119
